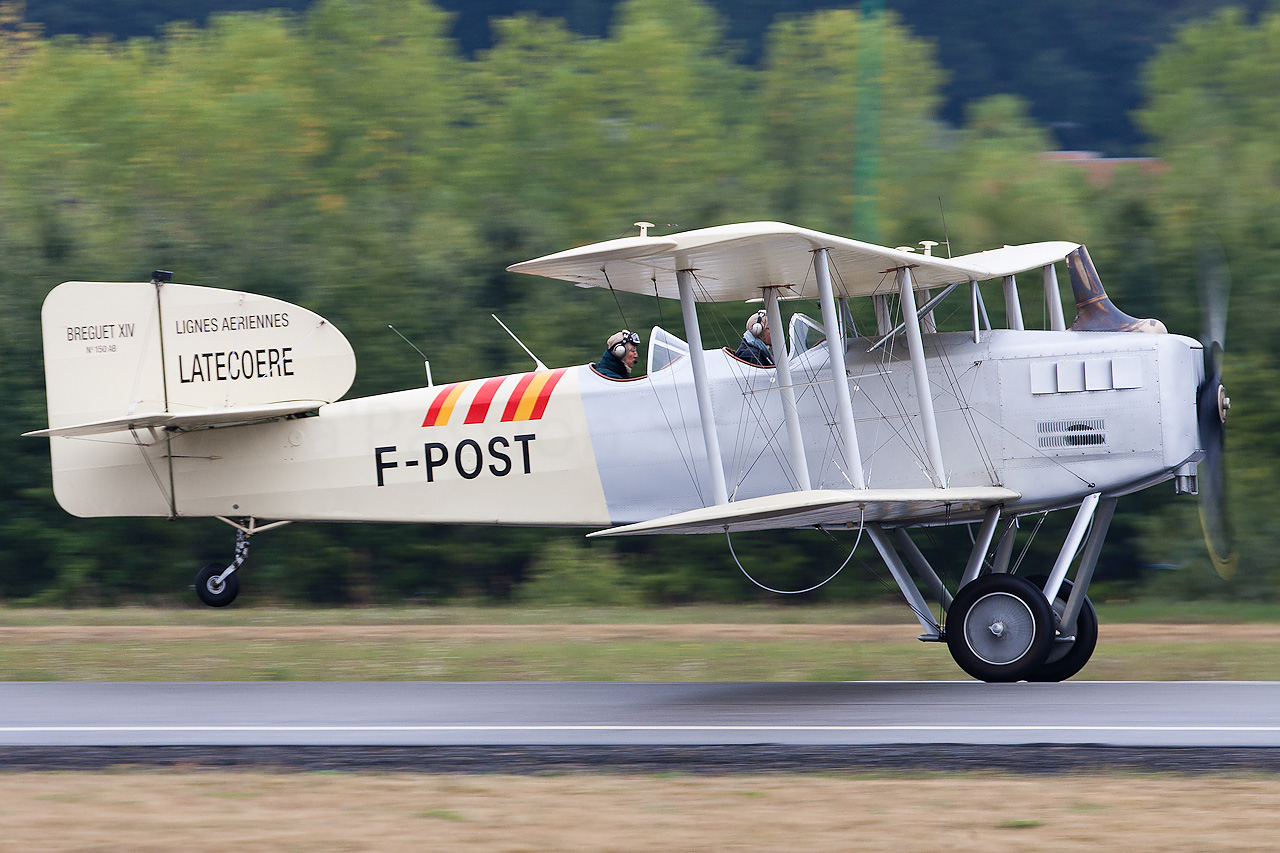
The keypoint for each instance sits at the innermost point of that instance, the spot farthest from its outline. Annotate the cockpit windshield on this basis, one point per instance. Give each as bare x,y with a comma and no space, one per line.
664,349
805,334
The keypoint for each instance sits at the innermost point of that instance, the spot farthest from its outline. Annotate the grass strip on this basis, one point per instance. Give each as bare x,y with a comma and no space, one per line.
587,652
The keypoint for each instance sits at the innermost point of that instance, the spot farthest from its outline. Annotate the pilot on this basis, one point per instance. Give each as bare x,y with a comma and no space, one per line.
756,341
620,354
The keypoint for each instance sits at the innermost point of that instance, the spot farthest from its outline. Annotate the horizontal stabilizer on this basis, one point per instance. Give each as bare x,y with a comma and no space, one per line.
184,420
822,506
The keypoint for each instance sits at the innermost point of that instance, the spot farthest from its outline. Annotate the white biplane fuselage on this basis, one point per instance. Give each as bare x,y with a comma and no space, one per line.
1052,416
172,400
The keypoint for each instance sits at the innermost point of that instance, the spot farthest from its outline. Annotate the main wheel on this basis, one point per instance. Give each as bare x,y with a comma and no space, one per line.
1066,659
1000,628
213,592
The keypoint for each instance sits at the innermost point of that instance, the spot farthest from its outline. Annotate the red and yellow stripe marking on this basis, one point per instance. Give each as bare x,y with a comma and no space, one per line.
517,395
532,403
480,405
528,400
442,405
544,396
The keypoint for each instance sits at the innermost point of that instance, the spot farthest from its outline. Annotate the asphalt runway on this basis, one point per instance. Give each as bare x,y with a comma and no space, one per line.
624,715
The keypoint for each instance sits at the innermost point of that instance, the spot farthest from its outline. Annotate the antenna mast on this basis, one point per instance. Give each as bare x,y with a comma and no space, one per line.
425,361
536,360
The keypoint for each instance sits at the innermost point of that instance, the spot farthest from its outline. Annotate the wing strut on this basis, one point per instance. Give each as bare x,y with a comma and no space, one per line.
915,344
684,279
798,460
839,375
1053,299
1012,306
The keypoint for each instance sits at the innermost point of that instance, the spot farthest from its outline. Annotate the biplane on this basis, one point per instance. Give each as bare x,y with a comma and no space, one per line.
181,401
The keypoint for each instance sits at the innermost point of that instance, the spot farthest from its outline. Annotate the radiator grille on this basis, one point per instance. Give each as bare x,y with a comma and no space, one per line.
1080,432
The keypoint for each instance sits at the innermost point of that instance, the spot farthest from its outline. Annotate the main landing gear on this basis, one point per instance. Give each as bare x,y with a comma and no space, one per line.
1005,627
217,584
1000,628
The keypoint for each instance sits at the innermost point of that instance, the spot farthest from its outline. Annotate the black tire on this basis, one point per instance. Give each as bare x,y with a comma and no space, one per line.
217,594
1000,628
1066,659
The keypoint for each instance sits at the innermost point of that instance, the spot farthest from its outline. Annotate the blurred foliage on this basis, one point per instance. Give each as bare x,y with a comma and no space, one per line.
353,159
1076,62
567,573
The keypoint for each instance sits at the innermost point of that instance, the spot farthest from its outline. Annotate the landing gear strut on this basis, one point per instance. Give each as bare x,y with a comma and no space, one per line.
1068,656
218,584
1001,626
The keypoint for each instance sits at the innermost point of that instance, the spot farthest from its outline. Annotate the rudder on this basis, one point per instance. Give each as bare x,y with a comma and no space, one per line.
115,352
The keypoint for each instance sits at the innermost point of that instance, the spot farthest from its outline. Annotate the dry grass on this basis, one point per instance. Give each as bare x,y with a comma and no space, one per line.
248,811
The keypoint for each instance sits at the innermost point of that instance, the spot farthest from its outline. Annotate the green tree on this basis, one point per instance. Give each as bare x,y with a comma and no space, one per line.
1214,112
808,102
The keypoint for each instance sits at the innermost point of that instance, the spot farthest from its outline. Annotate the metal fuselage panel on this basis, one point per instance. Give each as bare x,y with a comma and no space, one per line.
1119,414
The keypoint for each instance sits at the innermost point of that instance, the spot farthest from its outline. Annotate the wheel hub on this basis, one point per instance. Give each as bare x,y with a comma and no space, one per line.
999,628
214,585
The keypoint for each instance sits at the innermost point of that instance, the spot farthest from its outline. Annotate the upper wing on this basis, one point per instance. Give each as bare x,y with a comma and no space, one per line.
733,262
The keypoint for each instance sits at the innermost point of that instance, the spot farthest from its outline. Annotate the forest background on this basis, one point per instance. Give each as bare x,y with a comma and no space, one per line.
384,160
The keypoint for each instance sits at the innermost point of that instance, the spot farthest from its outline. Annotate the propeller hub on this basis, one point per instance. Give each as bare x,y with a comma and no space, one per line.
1224,403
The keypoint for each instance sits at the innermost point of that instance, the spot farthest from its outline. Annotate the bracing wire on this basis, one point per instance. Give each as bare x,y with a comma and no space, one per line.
1022,554
742,461
155,475
623,314
685,458
861,527
884,583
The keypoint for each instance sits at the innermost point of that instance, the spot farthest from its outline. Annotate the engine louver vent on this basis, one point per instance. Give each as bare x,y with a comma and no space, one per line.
1081,432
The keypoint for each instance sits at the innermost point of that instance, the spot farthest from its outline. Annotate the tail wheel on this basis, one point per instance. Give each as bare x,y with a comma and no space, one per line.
213,592
1066,659
1000,628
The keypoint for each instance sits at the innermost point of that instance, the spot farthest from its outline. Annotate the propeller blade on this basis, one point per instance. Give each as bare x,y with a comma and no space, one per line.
1219,535
1212,404
1215,293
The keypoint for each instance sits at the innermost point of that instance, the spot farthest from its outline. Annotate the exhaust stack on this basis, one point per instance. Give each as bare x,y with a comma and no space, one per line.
1094,309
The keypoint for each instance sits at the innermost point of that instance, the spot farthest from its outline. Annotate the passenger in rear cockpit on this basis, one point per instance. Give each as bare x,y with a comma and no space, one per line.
620,354
756,341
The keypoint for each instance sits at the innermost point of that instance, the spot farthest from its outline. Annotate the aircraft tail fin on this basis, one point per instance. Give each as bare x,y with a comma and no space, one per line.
124,357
